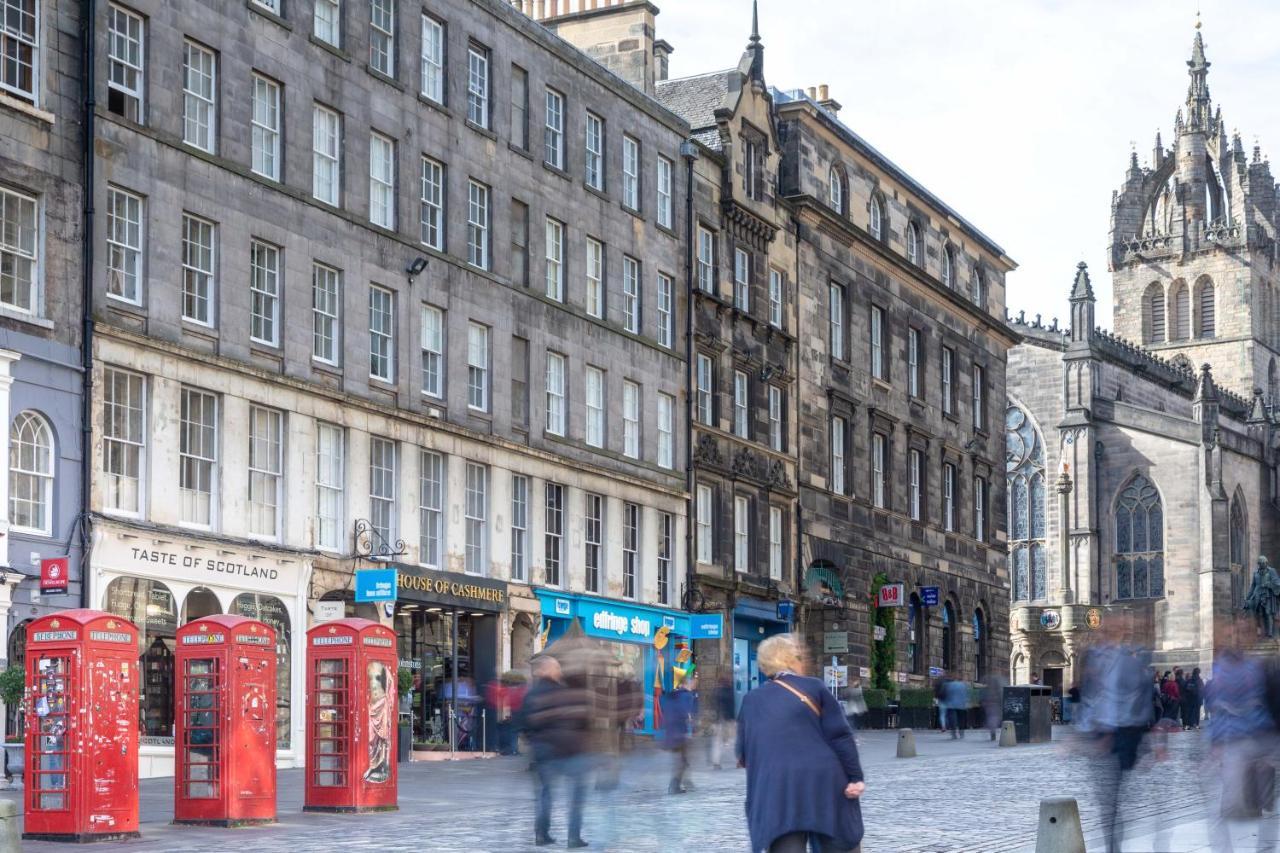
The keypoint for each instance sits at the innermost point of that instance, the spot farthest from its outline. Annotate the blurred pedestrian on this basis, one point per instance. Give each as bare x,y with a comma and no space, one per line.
803,774
940,698
505,696
1170,697
723,727
957,704
680,709
555,720
993,703
1192,696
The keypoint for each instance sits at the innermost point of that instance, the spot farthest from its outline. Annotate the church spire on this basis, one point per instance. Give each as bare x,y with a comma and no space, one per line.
754,47
1199,113
1082,305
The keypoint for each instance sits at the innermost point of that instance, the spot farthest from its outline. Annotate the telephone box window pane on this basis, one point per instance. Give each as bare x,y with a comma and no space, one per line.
271,610
328,760
201,745
50,746
150,605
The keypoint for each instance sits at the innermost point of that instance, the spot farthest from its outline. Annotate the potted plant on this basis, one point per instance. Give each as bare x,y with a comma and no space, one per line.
12,684
915,708
877,704
404,683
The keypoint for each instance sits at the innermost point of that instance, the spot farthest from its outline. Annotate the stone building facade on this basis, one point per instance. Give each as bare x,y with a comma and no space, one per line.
1141,488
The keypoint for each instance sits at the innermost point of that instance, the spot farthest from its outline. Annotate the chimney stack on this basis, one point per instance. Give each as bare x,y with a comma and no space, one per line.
825,100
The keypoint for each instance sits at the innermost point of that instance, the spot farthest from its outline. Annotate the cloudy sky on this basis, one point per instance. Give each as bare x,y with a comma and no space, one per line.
1020,114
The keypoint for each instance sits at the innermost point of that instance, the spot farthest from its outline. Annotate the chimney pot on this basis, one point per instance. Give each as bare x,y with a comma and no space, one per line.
822,92
813,93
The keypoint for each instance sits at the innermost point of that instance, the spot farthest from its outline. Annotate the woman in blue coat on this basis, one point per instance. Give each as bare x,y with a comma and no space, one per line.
803,774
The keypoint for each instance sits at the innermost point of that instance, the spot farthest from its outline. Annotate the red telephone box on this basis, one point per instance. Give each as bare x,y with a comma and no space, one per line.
351,717
225,742
82,727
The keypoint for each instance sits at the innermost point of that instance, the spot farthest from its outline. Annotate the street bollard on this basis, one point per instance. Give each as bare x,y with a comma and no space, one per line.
1059,830
1008,734
906,743
10,826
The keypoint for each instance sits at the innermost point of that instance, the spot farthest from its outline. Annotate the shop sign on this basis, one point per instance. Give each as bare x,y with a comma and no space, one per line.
1050,619
705,626
196,561
613,623
375,585
450,588
785,609
327,611
929,596
53,574
53,636
835,642
891,595
935,671
563,607
835,676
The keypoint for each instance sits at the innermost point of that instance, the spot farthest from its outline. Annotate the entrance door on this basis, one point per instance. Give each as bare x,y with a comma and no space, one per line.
1052,679
741,653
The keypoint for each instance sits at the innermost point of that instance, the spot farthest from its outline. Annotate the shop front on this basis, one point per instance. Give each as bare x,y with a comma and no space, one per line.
754,619
643,644
449,630
161,581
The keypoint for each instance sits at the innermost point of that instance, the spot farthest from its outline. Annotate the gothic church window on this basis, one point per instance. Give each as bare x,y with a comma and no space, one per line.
1239,552
1139,559
1179,312
1024,467
1153,313
1206,319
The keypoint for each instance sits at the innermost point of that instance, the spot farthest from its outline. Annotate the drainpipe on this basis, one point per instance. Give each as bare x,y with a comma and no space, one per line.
89,81
689,151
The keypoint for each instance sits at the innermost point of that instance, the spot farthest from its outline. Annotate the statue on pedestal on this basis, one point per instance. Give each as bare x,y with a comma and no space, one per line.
1263,600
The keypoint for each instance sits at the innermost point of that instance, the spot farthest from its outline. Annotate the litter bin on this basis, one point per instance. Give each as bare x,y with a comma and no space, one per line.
404,738
1027,706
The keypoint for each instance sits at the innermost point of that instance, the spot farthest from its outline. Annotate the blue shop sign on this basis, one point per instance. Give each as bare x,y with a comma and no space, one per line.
614,620
375,584
706,626
929,596
785,609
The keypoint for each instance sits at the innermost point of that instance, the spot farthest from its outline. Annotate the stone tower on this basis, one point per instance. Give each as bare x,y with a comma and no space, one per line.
1193,251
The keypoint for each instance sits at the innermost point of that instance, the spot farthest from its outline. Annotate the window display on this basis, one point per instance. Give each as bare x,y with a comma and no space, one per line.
150,605
271,610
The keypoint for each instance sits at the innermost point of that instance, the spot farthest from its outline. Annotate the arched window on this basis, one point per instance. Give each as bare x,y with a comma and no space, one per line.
31,474
1179,312
1239,551
1139,559
875,224
979,645
1206,310
835,189
948,268
1024,467
1153,313
913,243
149,604
271,610
915,635
949,636
979,294
199,603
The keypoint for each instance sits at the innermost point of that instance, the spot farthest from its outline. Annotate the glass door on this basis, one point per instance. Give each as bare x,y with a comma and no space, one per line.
49,741
202,736
330,759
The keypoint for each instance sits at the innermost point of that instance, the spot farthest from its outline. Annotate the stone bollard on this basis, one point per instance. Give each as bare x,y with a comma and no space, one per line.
1008,734
10,826
906,743
1059,830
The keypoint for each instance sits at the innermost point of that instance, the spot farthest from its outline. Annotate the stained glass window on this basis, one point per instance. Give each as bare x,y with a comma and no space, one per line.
1024,467
1239,552
1139,559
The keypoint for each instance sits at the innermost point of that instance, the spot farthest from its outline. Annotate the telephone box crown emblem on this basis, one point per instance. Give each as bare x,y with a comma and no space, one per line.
111,623
333,630
54,624
204,627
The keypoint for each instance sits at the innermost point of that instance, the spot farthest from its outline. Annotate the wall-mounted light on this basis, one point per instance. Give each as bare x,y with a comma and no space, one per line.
415,268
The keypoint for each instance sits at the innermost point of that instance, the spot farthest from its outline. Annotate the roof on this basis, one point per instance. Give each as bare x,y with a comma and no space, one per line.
696,99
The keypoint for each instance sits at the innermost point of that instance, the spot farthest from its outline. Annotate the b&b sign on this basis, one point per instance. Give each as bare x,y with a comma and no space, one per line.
891,595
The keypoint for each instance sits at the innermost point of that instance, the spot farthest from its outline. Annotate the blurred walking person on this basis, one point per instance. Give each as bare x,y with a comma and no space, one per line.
956,697
803,774
723,728
993,703
680,709
1170,697
1192,696
554,718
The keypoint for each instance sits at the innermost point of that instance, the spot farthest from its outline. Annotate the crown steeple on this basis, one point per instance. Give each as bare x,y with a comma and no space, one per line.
1199,112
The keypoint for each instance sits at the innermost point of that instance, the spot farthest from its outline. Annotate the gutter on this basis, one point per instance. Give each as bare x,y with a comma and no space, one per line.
689,151
89,81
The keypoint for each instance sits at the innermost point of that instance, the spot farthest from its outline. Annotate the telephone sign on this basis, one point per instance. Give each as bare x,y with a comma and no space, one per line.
890,595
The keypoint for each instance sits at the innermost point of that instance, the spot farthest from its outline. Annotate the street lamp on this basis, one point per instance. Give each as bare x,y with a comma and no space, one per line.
1064,540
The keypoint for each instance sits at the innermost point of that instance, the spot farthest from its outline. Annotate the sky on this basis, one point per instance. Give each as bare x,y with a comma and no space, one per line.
1019,114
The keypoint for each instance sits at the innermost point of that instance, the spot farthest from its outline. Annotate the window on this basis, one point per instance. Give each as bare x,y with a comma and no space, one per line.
775,299
555,393
913,243
269,5
197,457
915,466
630,173
382,181
979,288
519,527
878,366
948,497
594,538
631,295
665,535
1139,559
554,525
1205,310
741,405
326,302
432,345
31,472
124,243
979,401
266,469
775,419
264,293
431,509
382,36
553,133
595,277
835,190
835,304
326,139
520,382
1024,466
478,85
666,431
948,269
753,167
519,108
432,59
706,260
478,367
199,114
595,152
741,280
666,322
197,270
980,509
477,225
631,420
838,465
741,534
948,381
382,334
327,22
630,548
123,440
1238,539
1179,312
330,481
703,521
874,223
665,210
555,260
382,487
595,407
265,137
703,391
949,637
125,59
775,543
913,362
519,243
878,443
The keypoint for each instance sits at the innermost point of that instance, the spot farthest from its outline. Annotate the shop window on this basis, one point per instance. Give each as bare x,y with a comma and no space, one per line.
150,605
915,635
271,610
199,603
14,721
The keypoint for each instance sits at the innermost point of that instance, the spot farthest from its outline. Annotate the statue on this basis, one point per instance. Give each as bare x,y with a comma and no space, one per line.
1263,599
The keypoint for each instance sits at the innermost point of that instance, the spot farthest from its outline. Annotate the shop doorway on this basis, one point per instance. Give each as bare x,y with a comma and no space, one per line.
746,674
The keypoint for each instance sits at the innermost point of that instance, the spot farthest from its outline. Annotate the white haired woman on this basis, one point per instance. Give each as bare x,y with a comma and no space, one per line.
803,774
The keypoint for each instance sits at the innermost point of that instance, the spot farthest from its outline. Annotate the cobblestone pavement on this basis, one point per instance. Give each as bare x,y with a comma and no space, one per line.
962,795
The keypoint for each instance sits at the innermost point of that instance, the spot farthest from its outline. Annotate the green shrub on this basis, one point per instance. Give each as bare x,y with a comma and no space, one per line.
883,652
916,697
12,682
875,697
405,681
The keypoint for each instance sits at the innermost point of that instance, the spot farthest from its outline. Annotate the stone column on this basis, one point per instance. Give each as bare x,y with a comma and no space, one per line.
8,583
1064,532
7,360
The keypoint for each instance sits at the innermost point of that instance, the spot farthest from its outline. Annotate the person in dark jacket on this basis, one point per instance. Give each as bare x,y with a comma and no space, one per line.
803,774
554,718
722,733
680,707
1192,698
